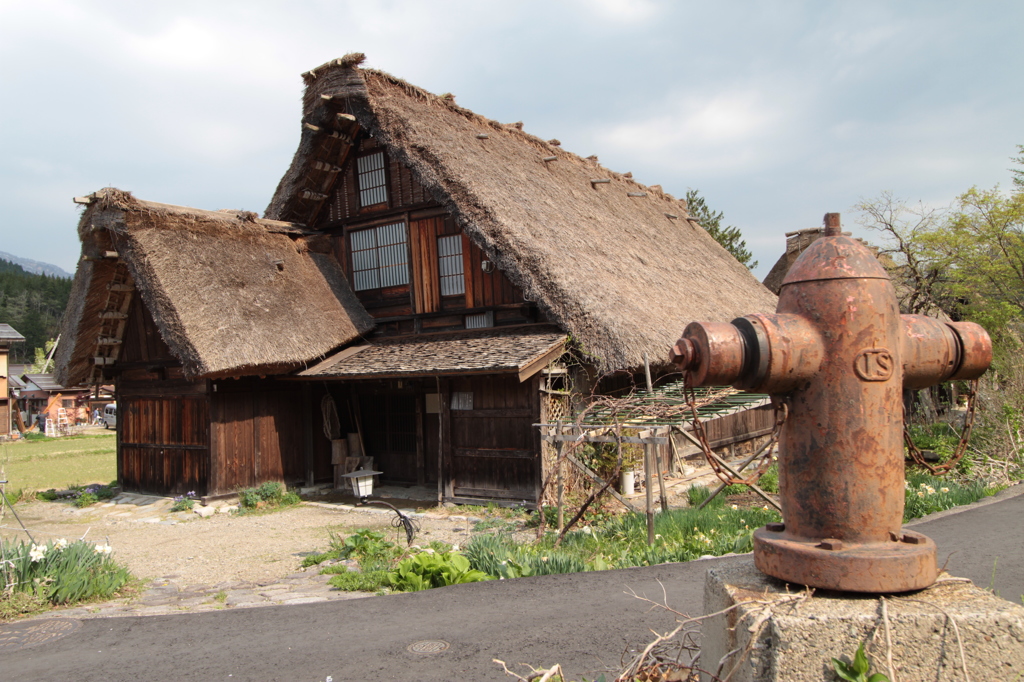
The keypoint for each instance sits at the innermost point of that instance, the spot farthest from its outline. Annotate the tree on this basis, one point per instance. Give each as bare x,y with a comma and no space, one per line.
729,237
921,280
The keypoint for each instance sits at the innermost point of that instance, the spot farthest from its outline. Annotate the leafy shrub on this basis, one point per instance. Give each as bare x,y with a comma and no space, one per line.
186,502
368,547
61,572
353,581
48,495
268,495
696,494
86,499
430,569
770,480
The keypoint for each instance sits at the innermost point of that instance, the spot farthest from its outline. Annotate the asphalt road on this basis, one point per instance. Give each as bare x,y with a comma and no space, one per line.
583,621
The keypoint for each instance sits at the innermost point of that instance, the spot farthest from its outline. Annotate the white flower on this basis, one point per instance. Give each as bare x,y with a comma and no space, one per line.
735,506
102,549
923,485
945,490
586,529
765,507
455,548
37,552
931,490
920,493
429,550
60,544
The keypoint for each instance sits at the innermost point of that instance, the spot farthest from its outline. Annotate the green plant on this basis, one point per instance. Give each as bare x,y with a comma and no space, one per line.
430,569
858,670
926,494
696,494
186,502
221,597
86,499
61,572
769,481
268,495
48,495
352,581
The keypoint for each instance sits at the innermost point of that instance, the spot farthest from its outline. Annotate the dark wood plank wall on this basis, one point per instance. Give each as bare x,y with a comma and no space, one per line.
163,444
256,434
142,341
162,419
493,449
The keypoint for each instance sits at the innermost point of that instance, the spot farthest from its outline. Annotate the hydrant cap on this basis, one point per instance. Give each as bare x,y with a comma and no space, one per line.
838,257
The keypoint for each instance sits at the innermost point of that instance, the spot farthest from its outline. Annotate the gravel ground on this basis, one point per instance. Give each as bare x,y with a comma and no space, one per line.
155,543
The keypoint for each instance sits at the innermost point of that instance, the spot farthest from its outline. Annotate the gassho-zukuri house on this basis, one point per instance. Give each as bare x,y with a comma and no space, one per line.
420,278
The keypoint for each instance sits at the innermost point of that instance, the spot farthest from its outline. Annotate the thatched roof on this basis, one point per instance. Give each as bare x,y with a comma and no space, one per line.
616,264
230,294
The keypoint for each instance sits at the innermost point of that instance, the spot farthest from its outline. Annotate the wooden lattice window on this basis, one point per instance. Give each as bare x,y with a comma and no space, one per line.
372,180
449,265
380,257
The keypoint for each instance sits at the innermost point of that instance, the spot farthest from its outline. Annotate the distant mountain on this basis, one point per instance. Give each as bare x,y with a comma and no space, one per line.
35,266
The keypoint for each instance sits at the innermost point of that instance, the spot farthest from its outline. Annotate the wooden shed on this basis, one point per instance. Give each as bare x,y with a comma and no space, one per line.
449,281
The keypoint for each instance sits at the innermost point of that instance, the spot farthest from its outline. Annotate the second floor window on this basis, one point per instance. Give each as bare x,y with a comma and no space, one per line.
449,265
380,258
372,182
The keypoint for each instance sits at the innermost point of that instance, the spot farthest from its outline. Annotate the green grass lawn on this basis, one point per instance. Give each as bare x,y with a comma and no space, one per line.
58,462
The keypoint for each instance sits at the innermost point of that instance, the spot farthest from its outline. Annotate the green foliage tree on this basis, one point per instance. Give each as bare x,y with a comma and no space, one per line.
33,305
730,237
967,262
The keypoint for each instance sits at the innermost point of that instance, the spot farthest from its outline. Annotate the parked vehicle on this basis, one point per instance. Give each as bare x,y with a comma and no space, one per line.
110,416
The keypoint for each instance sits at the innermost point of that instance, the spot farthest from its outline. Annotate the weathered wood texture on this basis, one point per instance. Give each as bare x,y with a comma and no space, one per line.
142,341
163,444
739,426
495,451
257,435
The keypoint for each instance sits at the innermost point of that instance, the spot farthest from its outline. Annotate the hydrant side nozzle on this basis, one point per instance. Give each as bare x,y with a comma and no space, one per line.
975,350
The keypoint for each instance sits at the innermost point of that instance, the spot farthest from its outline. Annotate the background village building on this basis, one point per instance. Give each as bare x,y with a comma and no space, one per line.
8,336
466,276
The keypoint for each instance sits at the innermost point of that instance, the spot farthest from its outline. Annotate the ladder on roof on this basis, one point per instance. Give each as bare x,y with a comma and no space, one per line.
113,320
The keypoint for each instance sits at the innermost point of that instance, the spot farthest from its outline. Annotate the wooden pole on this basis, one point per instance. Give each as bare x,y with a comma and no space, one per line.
558,482
661,477
650,494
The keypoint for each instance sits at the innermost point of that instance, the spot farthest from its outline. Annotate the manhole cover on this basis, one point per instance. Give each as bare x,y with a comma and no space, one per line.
34,633
428,646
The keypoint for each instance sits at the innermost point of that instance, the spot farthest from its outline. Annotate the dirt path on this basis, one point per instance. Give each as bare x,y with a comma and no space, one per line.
155,543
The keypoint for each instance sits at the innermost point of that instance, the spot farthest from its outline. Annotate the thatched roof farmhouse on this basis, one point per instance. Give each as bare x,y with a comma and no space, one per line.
418,274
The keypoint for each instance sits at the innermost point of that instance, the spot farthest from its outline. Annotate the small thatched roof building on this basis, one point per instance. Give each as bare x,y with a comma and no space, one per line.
618,265
230,294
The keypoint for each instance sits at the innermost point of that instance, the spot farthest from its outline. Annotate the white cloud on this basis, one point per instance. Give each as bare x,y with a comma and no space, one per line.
632,11
705,133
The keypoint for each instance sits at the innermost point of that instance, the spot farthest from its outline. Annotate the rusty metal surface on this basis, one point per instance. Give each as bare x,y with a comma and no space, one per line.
837,352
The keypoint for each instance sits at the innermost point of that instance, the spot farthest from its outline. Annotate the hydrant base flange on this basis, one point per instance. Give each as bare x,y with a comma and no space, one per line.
905,564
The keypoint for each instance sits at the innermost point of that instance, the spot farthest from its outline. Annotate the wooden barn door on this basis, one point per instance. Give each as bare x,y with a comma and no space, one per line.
494,450
164,444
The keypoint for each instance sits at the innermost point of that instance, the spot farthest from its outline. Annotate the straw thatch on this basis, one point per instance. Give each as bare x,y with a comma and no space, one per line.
230,294
623,274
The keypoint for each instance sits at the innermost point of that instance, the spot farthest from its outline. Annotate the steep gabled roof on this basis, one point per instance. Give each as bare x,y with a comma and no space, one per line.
229,293
616,264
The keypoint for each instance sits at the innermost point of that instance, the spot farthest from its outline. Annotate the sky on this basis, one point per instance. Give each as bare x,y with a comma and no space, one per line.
777,112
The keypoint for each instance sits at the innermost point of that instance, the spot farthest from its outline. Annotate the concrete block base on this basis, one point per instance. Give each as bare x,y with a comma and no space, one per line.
778,632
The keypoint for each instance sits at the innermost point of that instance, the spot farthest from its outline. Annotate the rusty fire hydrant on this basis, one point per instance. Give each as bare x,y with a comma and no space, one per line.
838,354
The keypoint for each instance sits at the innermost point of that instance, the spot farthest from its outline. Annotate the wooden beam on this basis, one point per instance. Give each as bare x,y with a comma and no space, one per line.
568,438
113,315
600,481
537,364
